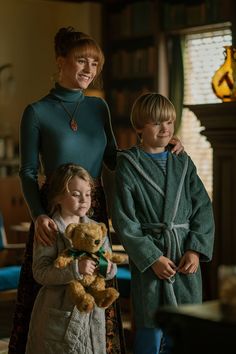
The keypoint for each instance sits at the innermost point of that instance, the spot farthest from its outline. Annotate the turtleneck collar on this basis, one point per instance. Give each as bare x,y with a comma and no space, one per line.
67,95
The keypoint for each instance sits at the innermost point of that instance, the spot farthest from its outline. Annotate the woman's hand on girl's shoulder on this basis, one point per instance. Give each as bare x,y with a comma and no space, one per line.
45,230
177,145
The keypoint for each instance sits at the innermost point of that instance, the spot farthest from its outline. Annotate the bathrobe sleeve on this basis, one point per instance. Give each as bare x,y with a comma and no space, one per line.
140,248
201,235
45,272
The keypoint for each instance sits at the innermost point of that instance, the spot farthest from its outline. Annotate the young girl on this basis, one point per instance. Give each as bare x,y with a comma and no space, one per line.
164,218
56,325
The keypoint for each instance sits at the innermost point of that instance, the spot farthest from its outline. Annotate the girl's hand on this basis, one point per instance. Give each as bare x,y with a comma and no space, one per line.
45,230
189,262
178,147
164,268
87,266
109,266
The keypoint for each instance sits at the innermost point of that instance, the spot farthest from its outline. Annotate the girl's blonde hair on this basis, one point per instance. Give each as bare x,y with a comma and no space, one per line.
59,181
151,107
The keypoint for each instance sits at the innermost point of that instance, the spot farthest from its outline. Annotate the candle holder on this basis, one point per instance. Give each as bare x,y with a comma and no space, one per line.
224,79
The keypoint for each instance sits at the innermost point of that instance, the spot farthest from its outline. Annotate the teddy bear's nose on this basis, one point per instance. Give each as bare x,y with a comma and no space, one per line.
96,242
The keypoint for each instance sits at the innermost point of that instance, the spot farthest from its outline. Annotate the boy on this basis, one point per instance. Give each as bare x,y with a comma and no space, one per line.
163,216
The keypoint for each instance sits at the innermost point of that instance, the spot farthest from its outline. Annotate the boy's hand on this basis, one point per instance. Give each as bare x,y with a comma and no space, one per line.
189,262
164,268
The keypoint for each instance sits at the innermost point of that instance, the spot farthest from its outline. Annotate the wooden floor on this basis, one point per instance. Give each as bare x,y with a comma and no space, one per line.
6,315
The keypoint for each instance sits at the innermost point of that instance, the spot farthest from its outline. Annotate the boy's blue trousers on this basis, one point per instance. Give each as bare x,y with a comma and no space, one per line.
151,341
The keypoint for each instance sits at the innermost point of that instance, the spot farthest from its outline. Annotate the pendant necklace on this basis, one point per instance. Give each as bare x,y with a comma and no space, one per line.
73,122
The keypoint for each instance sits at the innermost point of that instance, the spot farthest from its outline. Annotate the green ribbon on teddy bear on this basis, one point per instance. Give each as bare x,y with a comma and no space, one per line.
98,256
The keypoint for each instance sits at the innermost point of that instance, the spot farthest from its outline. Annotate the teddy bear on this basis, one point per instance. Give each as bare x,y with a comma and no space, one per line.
87,240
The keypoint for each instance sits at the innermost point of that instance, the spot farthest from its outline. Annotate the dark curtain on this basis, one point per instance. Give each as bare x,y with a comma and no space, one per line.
176,75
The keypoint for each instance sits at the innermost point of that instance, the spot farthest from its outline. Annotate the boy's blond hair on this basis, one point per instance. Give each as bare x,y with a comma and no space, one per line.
151,107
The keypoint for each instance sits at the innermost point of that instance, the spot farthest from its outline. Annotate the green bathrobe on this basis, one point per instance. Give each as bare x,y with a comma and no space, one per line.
156,214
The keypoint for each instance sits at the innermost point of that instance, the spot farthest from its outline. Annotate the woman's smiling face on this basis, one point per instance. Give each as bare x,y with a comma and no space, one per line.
76,71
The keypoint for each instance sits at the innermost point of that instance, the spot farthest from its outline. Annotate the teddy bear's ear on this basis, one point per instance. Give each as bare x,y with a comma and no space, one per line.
104,228
69,230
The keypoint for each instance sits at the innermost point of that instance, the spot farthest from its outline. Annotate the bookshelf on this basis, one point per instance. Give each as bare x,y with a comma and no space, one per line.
9,156
131,60
186,14
9,167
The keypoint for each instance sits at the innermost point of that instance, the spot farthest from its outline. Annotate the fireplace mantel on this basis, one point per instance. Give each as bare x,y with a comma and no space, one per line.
219,121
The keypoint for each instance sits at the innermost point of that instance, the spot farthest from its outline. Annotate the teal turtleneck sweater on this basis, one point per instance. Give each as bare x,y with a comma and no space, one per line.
46,135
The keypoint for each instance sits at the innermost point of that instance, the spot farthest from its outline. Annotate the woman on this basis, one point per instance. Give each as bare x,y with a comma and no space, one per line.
64,126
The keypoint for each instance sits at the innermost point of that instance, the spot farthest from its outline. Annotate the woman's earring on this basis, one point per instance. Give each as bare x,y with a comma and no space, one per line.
56,76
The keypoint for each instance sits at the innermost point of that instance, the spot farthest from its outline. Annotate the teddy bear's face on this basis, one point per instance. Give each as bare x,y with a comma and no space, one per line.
87,237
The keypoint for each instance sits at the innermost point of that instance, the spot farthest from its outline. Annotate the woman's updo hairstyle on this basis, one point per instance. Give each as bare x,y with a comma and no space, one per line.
67,39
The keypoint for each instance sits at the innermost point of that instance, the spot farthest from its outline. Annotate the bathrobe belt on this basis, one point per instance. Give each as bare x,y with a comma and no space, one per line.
170,232
168,229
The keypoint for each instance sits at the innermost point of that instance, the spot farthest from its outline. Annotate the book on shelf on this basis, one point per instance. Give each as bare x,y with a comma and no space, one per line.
141,16
122,102
133,19
133,63
125,137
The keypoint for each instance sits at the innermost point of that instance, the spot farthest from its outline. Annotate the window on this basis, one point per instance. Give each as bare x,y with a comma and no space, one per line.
203,55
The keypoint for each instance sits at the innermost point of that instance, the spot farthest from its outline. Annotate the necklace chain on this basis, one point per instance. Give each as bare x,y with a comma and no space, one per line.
73,122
